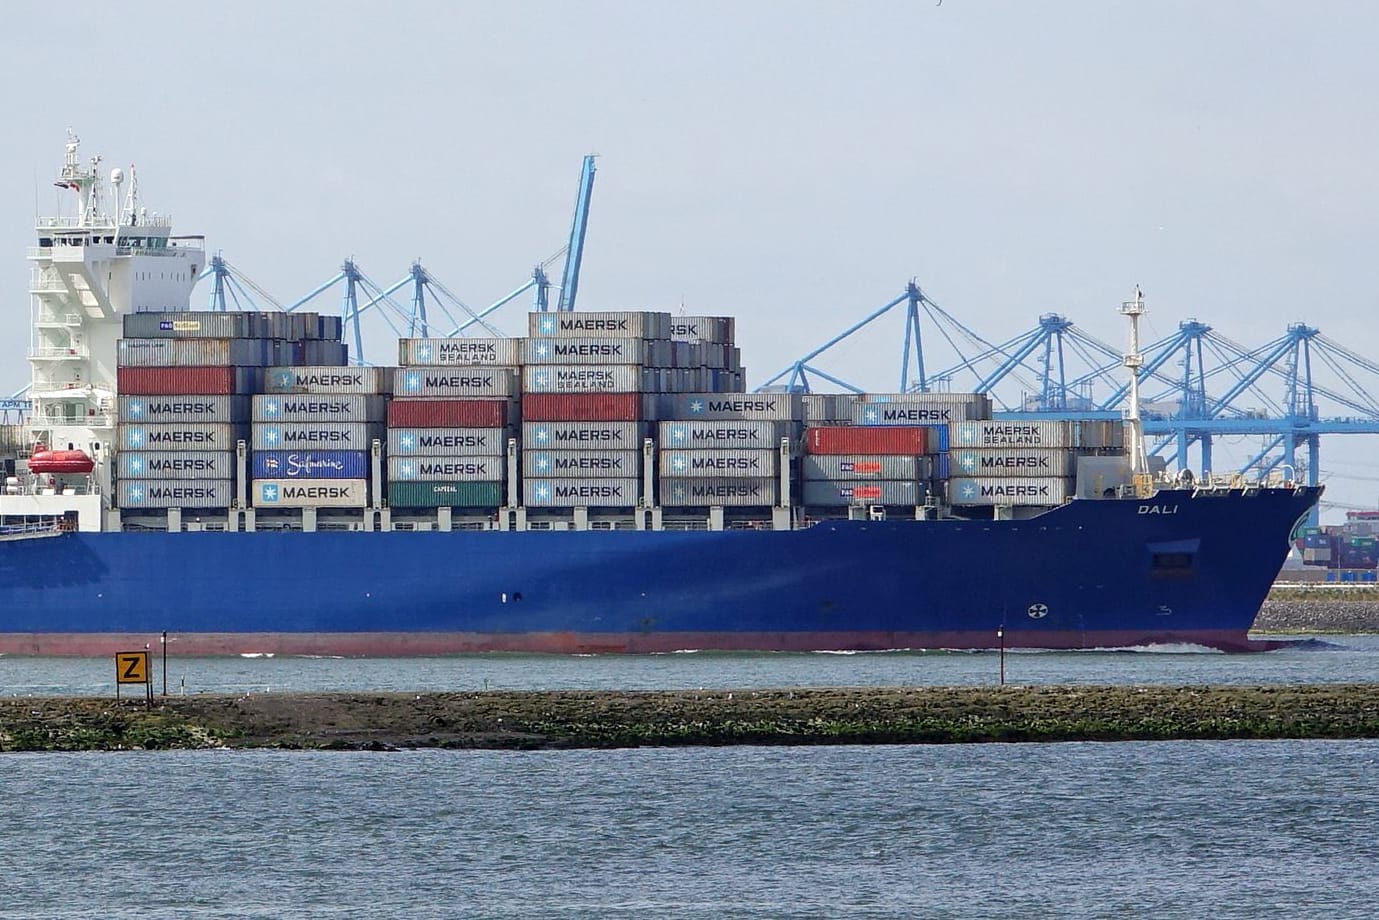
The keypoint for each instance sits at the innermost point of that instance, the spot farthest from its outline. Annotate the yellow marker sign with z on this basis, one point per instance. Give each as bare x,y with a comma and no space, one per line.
131,667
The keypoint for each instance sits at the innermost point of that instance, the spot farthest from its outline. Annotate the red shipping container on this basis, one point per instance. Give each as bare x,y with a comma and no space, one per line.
867,439
448,413
187,381
581,407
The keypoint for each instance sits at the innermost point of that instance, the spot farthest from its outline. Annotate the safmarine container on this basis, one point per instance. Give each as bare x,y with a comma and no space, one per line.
446,469
457,351
175,493
596,351
183,408
1024,491
311,464
824,494
197,324
864,466
434,442
1014,461
319,407
579,378
367,381
583,435
181,381
582,324
910,440
717,463
1032,433
734,492
309,493
581,463
175,464
196,352
576,493
321,435
450,413
179,436
454,381
445,494
722,434
737,406
582,407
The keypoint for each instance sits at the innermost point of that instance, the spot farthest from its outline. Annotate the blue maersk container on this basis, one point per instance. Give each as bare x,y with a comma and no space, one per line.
311,464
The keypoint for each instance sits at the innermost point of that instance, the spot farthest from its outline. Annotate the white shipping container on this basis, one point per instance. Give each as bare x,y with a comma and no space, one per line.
221,409
721,434
455,381
714,329
1002,491
175,493
992,433
309,493
197,352
583,435
1013,461
328,379
319,407
175,464
459,351
180,436
720,406
596,351
489,468
580,493
566,464
578,378
733,464
446,442
582,324
942,409
728,492
333,435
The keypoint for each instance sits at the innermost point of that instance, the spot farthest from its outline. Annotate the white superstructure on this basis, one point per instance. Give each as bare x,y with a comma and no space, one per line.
90,267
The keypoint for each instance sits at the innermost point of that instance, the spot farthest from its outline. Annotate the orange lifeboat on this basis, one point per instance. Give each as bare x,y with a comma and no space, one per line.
43,460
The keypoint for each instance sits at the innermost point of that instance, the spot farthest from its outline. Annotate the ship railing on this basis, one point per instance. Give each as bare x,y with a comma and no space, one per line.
59,353
41,525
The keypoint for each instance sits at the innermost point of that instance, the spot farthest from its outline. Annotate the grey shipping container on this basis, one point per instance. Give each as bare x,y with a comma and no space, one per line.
1002,433
723,434
577,493
718,463
183,409
565,464
1009,491
715,329
175,493
489,468
578,378
582,324
583,435
942,409
869,466
197,352
1095,434
335,435
175,464
329,379
719,406
180,436
309,493
461,382
837,492
828,408
319,407
728,492
597,351
1013,461
447,442
459,351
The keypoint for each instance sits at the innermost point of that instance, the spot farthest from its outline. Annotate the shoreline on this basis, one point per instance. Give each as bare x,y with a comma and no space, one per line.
551,720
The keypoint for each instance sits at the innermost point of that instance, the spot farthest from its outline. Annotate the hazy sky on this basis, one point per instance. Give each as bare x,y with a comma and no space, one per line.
790,163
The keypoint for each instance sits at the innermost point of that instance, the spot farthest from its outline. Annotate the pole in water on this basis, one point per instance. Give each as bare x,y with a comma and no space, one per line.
1001,638
164,641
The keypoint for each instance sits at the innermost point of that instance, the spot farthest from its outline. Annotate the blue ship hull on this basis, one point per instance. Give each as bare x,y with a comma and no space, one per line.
1177,567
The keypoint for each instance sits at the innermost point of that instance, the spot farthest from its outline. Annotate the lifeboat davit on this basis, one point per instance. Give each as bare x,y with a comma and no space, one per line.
43,460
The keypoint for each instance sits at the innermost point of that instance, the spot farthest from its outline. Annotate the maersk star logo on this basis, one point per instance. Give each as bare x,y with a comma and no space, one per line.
967,433
285,379
541,380
680,493
679,433
136,494
678,463
541,435
272,436
541,350
407,470
872,415
136,408
968,490
135,438
407,442
268,492
424,353
136,465
696,406
271,408
411,382
542,463
547,325
968,462
542,491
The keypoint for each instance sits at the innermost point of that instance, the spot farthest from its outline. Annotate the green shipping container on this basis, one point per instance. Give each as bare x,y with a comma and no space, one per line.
445,494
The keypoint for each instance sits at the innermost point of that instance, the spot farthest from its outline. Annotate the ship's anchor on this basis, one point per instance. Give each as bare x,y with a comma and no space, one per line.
1038,611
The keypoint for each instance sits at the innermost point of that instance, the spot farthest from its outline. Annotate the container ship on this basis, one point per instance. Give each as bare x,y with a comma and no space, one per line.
603,484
